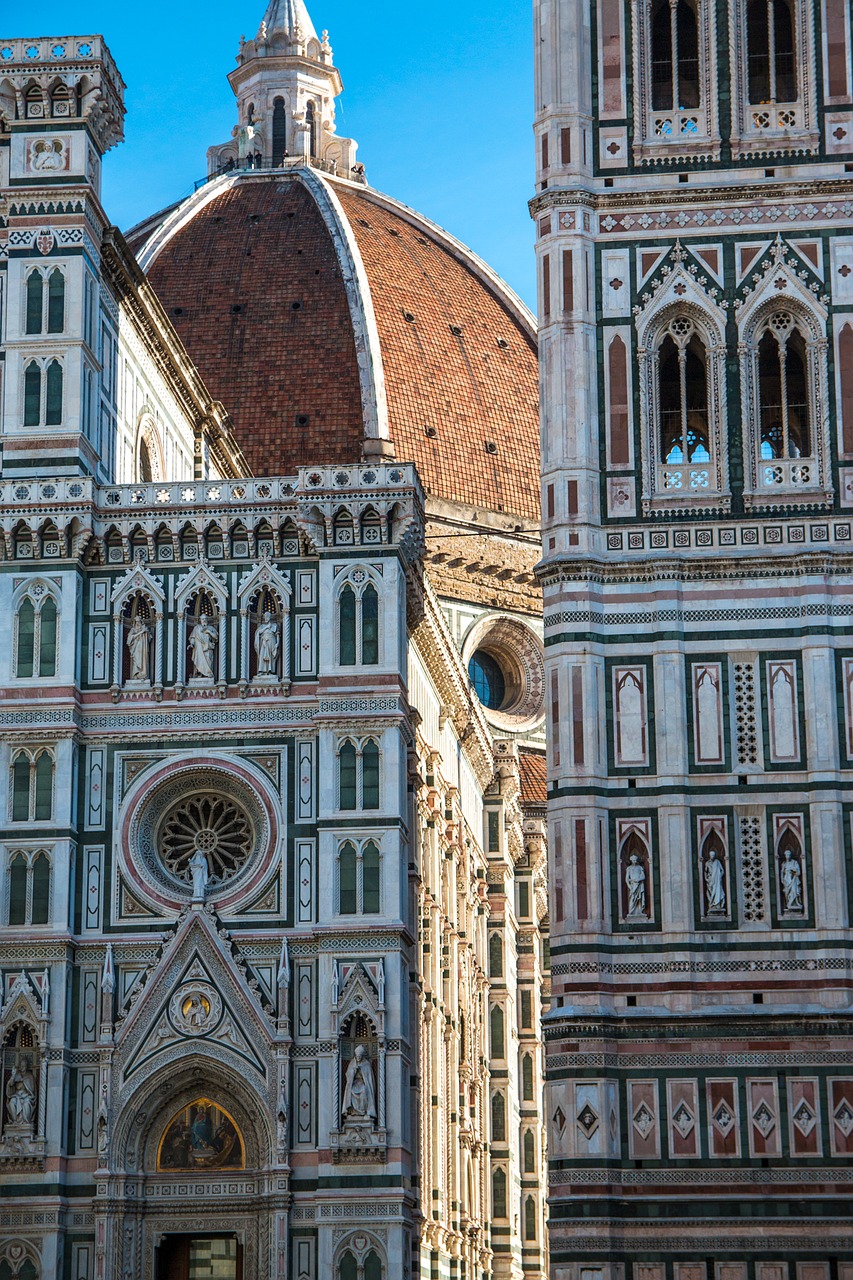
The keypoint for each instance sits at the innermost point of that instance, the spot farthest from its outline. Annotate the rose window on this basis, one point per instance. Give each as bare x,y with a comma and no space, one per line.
209,810
213,824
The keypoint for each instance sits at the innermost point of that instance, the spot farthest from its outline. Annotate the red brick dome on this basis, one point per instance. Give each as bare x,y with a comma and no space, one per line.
332,321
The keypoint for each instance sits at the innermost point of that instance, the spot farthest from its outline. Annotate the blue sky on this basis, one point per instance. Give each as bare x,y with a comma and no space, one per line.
439,98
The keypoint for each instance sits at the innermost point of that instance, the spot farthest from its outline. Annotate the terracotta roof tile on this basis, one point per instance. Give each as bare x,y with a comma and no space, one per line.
253,286
466,386
534,777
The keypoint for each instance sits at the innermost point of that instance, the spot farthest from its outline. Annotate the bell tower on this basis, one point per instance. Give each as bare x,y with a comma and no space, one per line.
694,232
286,83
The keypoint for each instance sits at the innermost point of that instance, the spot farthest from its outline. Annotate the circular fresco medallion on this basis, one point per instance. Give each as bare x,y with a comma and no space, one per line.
195,1009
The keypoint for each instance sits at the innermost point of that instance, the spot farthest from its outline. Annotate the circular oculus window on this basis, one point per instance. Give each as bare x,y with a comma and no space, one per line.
506,666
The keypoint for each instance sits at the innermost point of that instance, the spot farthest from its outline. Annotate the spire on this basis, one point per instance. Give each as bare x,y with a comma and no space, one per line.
289,18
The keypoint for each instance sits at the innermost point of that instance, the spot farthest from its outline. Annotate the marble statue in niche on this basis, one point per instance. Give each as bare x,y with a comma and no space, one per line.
635,882
359,1101
714,873
21,1099
791,880
203,648
139,649
200,873
267,643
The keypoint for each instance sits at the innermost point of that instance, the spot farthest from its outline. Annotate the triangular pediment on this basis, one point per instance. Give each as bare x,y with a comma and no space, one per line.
23,999
781,276
265,574
681,281
196,1000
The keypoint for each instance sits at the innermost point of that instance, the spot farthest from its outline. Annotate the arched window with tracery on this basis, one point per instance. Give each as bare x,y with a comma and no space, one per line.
675,56
783,381
32,785
358,775
359,878
358,622
683,396
783,402
28,887
771,51
351,1267
43,383
35,634
682,408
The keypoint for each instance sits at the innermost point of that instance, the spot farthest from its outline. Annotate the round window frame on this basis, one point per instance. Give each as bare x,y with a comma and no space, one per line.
155,792
520,654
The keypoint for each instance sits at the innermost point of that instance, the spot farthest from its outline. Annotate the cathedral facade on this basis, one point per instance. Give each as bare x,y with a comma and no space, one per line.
273,930
694,215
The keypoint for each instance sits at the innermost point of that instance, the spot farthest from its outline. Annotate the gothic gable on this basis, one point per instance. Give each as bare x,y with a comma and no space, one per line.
195,1002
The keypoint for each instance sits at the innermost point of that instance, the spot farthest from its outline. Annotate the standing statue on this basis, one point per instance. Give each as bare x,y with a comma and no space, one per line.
138,645
635,879
203,648
715,884
792,882
359,1090
267,645
200,873
21,1097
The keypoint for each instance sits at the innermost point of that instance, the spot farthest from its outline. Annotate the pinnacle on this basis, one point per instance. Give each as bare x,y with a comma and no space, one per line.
287,17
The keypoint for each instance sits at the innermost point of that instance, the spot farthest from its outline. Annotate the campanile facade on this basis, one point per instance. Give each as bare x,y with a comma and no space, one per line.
694,215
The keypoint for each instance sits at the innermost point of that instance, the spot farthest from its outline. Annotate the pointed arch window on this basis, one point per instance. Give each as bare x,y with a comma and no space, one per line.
45,302
35,305
771,52
35,636
496,1031
28,887
358,625
782,390
358,775
498,1118
32,786
43,382
783,381
527,1078
496,958
675,56
682,409
359,878
683,392
55,301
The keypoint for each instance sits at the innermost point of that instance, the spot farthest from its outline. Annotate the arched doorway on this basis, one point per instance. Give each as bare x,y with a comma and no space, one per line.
189,1194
